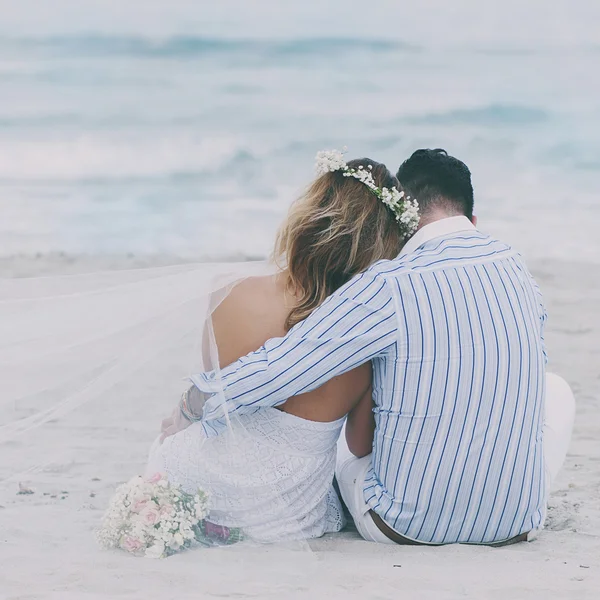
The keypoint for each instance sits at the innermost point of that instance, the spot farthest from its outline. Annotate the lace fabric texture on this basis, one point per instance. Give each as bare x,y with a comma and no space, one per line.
270,474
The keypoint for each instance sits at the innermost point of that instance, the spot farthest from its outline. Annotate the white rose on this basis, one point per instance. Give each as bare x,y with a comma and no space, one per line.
155,551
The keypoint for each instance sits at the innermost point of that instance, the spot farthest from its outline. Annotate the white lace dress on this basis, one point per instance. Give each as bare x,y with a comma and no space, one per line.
270,474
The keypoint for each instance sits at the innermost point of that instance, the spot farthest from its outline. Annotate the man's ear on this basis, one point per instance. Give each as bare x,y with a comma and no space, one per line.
474,220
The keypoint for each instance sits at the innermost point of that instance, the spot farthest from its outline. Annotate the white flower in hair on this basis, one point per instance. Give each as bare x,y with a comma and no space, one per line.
328,161
405,209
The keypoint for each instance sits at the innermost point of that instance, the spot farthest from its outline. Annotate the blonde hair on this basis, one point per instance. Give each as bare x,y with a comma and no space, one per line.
337,229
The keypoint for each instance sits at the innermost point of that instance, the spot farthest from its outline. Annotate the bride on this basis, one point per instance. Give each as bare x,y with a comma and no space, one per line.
270,473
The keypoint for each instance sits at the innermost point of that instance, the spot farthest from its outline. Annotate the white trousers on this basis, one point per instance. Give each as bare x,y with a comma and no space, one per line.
558,426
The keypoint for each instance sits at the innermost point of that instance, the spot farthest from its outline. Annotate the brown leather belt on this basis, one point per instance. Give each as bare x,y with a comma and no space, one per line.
400,539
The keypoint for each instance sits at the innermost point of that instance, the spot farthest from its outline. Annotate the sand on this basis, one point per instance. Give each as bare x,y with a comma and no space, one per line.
48,551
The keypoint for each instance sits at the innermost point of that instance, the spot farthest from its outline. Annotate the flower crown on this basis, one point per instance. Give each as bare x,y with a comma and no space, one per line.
405,209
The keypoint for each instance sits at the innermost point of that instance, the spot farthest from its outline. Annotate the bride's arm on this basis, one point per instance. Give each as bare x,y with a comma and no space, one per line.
360,426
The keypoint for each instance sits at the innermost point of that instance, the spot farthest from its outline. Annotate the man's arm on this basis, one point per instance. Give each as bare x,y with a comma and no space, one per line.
351,327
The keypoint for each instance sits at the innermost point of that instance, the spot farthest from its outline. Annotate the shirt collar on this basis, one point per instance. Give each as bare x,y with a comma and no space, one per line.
437,229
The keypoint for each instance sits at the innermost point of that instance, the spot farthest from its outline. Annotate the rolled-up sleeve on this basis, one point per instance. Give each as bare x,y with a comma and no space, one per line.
352,326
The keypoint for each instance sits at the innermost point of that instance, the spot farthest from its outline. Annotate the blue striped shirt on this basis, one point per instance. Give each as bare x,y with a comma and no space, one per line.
454,330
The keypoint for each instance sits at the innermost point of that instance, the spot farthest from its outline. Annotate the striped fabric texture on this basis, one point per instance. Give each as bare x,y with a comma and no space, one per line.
454,330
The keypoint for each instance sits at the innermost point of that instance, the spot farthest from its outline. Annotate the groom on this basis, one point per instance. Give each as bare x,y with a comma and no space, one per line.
469,428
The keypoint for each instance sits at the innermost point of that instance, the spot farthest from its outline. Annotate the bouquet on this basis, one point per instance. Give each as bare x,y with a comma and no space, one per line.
152,518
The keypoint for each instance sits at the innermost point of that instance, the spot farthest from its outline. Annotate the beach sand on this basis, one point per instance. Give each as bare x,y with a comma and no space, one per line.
48,550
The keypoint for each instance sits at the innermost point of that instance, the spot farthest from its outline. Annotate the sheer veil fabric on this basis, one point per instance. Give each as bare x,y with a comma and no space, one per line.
90,364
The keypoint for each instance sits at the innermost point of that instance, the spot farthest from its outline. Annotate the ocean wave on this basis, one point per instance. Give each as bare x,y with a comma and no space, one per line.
105,157
43,121
490,115
194,47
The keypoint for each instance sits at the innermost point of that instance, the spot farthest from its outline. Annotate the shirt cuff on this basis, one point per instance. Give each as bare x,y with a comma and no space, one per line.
210,402
207,382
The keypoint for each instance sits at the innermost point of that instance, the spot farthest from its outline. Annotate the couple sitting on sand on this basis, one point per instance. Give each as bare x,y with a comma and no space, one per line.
396,323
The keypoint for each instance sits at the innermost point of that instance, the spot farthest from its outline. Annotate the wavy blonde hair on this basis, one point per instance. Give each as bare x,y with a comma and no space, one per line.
337,229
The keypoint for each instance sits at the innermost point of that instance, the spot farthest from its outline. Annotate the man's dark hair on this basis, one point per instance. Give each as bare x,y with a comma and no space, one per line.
437,180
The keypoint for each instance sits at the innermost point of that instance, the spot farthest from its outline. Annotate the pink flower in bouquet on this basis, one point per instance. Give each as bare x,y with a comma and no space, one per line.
166,510
139,506
155,478
150,514
132,544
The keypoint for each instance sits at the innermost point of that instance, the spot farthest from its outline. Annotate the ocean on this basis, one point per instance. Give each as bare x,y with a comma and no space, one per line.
186,128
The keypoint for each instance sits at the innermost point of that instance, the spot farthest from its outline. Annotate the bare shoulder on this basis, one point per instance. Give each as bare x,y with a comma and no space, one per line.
254,311
251,297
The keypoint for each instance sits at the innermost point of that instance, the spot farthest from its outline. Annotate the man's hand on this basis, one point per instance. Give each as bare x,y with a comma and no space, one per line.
173,424
194,401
